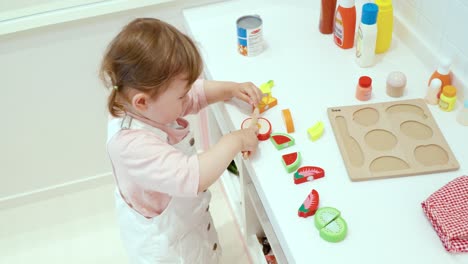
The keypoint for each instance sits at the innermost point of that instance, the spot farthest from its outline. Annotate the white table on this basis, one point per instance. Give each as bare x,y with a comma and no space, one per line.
385,220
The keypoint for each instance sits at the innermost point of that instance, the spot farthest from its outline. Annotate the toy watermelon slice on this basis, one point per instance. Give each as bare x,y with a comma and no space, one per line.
292,161
310,205
308,173
281,140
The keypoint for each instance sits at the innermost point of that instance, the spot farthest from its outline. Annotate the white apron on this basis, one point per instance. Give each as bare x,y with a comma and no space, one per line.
182,233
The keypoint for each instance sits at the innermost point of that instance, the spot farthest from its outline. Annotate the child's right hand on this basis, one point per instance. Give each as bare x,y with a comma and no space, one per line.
248,139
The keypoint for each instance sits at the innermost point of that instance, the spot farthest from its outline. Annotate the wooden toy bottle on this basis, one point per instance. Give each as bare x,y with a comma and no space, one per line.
448,98
364,88
433,91
345,24
442,73
384,25
366,36
327,14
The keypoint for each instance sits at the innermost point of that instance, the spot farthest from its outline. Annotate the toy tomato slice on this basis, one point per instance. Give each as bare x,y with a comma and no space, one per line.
308,173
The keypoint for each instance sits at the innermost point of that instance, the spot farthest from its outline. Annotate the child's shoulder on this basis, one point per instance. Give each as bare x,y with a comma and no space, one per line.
134,140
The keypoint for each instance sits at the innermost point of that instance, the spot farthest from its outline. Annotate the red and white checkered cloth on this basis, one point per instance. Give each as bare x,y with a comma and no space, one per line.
447,210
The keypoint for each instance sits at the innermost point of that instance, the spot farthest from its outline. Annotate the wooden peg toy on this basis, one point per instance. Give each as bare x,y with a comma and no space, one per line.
310,205
308,173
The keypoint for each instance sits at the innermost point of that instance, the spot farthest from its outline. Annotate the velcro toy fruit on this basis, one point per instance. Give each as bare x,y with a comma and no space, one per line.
308,173
331,225
288,121
267,101
291,161
310,205
264,127
316,131
281,140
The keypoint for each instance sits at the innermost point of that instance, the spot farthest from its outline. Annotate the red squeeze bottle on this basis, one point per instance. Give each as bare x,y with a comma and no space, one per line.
327,16
345,24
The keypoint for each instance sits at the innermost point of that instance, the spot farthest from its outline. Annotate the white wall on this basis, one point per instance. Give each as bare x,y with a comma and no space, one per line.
440,25
54,113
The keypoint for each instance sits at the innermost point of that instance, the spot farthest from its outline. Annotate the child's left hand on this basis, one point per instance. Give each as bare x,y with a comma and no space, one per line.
248,93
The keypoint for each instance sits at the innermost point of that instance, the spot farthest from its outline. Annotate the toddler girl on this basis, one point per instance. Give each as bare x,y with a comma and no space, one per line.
153,71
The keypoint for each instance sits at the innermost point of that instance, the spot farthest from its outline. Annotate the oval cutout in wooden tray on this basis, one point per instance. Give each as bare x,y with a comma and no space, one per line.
391,139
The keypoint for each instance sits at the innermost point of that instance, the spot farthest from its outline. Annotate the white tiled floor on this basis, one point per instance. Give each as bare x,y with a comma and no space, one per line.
81,228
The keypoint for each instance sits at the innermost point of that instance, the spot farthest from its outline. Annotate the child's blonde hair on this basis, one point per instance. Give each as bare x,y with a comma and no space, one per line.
146,55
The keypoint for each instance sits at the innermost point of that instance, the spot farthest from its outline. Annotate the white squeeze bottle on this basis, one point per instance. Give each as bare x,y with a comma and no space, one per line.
367,36
432,91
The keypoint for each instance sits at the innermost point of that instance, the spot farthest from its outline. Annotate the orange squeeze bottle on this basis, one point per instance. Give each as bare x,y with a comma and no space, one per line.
345,24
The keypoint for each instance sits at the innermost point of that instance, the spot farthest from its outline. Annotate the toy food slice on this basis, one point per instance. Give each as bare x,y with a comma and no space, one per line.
264,127
310,205
281,140
316,131
291,161
324,216
308,173
267,101
335,231
288,121
331,225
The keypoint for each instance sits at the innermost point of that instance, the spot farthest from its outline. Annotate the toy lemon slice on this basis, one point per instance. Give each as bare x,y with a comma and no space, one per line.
316,131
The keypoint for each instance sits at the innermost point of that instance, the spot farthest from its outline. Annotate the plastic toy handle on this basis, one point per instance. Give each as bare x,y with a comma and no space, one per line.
253,123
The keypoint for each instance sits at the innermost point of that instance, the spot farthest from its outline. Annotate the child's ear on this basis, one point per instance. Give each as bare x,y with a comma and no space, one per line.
140,102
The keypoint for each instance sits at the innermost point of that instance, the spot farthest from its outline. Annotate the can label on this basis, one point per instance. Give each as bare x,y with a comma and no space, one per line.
249,35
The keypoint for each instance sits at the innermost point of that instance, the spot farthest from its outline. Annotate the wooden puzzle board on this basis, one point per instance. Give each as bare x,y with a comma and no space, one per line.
392,139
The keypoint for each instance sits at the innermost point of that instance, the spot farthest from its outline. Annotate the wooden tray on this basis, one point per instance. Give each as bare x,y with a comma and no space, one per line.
390,139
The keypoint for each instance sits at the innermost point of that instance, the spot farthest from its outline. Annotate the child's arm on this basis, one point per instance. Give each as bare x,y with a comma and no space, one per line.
216,91
214,161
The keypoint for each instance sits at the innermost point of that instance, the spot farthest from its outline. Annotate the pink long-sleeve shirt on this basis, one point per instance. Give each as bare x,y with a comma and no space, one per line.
148,169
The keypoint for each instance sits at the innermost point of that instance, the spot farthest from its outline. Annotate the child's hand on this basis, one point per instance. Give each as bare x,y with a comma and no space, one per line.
248,139
248,93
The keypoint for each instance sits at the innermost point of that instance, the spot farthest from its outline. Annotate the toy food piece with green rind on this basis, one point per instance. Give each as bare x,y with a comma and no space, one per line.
335,231
310,205
308,173
324,216
291,161
331,225
281,140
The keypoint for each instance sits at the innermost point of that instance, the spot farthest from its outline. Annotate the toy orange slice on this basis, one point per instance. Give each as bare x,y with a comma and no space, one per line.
288,121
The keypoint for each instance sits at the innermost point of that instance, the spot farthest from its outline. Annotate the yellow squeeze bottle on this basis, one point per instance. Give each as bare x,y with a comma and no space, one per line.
384,25
448,97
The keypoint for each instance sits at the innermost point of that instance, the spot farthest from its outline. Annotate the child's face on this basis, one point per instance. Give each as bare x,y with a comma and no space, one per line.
169,105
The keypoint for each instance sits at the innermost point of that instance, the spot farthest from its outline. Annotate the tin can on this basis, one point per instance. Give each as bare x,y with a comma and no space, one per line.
249,35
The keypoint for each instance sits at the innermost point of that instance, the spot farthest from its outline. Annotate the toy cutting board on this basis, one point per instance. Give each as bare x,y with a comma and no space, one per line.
391,139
